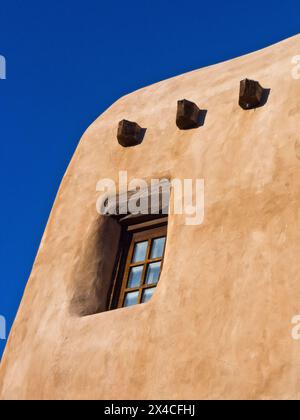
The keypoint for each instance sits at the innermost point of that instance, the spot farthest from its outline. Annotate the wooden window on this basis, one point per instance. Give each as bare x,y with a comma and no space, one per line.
140,263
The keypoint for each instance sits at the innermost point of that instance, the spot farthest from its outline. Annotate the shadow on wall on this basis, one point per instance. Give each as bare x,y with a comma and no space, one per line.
91,279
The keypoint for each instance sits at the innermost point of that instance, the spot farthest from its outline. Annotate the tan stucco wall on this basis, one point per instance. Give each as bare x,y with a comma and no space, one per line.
219,325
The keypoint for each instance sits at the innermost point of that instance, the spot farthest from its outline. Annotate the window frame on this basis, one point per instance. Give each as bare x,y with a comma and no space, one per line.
132,234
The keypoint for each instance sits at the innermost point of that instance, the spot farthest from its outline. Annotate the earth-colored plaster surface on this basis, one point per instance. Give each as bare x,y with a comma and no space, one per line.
219,325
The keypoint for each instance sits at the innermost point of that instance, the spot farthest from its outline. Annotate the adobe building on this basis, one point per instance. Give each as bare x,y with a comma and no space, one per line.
219,323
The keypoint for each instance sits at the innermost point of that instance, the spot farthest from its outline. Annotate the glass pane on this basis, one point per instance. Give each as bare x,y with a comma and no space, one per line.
135,277
131,299
158,247
147,294
140,252
153,273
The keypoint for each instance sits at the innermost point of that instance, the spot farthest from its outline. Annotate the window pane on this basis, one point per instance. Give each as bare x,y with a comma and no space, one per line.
135,277
131,299
147,294
158,247
140,252
153,273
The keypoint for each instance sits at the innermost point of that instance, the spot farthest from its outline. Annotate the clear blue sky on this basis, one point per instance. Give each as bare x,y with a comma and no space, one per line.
68,60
